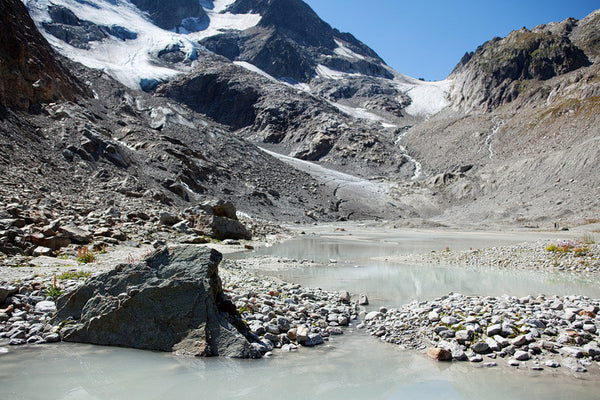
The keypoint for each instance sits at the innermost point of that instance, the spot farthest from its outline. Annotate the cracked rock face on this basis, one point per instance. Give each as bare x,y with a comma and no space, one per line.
172,301
29,71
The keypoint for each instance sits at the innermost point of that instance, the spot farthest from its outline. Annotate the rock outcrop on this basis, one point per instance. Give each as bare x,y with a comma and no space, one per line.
219,220
30,72
495,73
174,13
283,118
172,301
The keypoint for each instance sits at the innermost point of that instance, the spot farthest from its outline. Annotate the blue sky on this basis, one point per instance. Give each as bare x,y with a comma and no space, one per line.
426,39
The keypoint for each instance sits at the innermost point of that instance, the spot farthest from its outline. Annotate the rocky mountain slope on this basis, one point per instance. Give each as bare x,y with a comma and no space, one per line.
314,65
126,149
29,73
525,121
510,136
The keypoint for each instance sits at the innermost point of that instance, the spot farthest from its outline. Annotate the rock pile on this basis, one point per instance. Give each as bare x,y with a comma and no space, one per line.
25,310
524,256
283,315
42,229
534,332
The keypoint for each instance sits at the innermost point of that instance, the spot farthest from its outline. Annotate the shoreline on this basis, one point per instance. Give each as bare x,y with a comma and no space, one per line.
423,334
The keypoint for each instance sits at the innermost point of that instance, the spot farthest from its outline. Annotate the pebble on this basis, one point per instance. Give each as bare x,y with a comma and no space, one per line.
508,327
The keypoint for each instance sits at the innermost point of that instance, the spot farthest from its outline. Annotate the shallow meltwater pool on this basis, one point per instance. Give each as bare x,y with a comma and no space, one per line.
351,366
356,261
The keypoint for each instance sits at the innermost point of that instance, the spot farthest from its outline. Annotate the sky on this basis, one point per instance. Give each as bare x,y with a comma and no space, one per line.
427,38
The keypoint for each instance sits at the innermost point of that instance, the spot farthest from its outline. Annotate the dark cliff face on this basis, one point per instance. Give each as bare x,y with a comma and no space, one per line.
29,71
170,14
290,41
492,75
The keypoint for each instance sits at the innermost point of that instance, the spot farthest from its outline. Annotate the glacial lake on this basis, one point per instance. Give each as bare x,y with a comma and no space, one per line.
351,366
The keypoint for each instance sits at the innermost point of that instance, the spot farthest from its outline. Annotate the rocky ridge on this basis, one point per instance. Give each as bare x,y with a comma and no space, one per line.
288,120
524,120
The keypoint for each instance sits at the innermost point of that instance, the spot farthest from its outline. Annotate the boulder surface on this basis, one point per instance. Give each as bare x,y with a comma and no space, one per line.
171,301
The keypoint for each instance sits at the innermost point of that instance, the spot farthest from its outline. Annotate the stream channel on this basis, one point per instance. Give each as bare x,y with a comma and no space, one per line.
351,366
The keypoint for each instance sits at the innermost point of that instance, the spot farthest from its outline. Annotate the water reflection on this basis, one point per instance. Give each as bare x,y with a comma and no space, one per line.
353,366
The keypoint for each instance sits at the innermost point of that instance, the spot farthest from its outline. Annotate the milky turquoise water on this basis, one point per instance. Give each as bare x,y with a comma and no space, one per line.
352,366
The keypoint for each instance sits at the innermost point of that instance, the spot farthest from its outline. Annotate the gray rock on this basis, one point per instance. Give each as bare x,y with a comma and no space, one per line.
373,315
283,324
42,251
289,347
521,355
503,342
433,316
180,307
447,334
573,351
6,291
302,334
45,307
449,320
573,364
182,226
552,363
463,336
519,341
344,296
168,219
313,339
76,234
363,300
220,208
592,349
589,327
513,363
480,348
494,330
51,337
493,345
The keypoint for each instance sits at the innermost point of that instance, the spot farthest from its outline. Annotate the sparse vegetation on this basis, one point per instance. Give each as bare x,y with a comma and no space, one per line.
588,238
74,275
54,291
85,255
565,247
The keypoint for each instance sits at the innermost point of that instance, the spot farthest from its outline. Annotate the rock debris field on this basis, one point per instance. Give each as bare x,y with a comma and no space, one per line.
535,332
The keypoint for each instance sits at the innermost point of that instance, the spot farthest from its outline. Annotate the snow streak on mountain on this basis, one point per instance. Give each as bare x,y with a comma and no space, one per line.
143,43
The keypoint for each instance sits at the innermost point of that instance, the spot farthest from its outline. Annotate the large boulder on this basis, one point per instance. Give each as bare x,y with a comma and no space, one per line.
172,301
218,219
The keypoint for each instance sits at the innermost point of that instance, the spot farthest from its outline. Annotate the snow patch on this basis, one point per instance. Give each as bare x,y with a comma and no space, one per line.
133,61
343,51
254,68
428,98
362,113
328,73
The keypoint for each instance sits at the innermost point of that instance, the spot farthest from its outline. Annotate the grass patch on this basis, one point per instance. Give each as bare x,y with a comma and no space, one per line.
54,291
588,238
74,275
85,255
